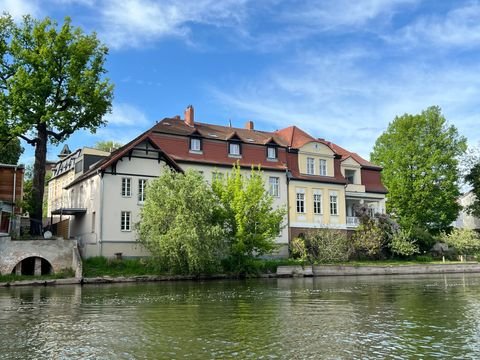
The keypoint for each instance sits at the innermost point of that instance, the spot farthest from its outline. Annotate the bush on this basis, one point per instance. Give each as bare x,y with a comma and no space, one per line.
424,258
423,238
326,245
402,244
465,241
297,248
368,241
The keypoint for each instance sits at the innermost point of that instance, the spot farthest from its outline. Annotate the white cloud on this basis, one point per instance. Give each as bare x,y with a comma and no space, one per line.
458,27
336,97
124,114
18,8
134,23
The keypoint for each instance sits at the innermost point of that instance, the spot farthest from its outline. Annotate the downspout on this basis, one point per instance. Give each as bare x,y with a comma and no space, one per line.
14,197
100,217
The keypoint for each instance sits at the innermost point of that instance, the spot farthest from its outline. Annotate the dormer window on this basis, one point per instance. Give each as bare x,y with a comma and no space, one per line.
234,149
272,153
310,166
323,167
195,144
350,176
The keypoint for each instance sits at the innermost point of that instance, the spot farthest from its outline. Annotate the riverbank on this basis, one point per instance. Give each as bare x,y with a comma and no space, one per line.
282,272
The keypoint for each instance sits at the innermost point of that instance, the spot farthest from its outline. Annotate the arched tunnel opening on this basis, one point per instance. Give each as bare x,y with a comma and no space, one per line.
33,265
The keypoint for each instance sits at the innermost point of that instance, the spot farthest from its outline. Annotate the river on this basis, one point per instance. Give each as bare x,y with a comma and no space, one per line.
305,318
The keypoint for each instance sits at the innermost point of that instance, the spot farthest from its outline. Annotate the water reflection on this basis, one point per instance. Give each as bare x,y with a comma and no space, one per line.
334,317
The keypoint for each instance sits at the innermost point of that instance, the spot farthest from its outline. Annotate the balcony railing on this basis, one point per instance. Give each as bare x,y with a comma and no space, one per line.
353,221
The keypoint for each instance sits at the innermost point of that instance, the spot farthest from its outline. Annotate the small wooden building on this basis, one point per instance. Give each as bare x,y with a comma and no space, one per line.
11,193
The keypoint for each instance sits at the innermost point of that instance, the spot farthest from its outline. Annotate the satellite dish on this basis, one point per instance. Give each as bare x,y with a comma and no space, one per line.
47,235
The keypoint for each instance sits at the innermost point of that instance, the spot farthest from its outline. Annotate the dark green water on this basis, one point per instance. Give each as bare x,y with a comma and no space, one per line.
331,318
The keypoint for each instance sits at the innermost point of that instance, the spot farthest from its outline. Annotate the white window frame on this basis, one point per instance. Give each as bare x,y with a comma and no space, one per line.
195,144
271,150
317,203
310,166
232,146
142,185
333,203
300,202
126,187
323,167
274,186
126,221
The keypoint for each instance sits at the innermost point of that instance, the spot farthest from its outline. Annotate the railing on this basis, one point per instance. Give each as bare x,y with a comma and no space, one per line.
353,221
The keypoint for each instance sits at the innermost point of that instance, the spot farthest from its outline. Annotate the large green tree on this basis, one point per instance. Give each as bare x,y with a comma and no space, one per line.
51,84
473,179
419,154
10,151
251,220
108,145
180,224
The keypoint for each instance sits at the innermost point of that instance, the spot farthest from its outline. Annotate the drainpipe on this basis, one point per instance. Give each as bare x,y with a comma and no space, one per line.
100,218
13,197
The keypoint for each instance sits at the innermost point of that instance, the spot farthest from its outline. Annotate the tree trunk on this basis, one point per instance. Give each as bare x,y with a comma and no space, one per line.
38,181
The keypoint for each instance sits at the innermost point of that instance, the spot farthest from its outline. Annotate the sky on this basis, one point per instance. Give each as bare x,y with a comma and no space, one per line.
341,69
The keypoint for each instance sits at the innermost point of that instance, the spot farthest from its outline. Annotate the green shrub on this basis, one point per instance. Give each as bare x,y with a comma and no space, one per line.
465,241
423,258
402,244
297,248
327,245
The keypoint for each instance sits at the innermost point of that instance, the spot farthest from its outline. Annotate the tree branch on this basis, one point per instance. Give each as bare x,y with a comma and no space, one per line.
32,142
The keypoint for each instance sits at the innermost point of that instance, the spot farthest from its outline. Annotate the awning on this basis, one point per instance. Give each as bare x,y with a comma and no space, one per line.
69,211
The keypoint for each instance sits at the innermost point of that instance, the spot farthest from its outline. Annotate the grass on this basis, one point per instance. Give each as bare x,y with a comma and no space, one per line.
59,275
101,266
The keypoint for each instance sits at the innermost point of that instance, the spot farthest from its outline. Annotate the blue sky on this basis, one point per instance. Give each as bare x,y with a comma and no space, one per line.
340,69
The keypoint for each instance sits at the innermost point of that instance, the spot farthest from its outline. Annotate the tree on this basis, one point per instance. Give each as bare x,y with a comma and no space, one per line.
465,241
179,223
108,146
250,220
473,179
419,155
51,84
10,151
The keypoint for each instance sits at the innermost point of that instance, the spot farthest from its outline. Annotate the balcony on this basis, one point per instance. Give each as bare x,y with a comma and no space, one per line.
353,221
355,188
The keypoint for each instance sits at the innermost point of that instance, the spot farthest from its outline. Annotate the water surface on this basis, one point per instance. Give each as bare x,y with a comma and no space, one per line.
313,318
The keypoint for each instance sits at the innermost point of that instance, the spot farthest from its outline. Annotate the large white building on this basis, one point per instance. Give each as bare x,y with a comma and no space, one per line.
316,180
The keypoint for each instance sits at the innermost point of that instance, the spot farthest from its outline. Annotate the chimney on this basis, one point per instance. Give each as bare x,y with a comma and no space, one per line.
189,116
249,125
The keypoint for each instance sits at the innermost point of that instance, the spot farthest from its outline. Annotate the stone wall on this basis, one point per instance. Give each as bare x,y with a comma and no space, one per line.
61,254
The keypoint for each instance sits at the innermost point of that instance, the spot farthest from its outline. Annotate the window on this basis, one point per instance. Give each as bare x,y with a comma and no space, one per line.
125,221
323,167
350,176
333,203
126,187
142,185
234,149
274,186
317,203
300,202
195,144
311,166
271,152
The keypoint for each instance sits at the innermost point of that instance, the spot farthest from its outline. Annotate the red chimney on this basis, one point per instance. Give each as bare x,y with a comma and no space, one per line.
189,116
249,125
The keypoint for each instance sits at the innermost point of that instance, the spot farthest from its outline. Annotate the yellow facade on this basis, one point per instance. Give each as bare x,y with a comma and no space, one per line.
308,218
316,151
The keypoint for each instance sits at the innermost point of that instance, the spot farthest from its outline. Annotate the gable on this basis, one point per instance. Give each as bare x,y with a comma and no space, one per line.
316,147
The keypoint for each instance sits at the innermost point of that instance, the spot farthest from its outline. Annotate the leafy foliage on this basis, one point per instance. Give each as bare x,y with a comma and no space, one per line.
297,249
402,244
51,84
109,145
248,215
419,158
180,224
465,241
327,245
10,151
473,179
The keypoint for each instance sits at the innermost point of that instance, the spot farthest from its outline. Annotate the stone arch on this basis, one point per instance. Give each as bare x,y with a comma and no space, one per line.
31,264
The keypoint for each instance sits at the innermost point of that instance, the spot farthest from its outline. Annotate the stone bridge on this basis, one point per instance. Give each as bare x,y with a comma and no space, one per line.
42,256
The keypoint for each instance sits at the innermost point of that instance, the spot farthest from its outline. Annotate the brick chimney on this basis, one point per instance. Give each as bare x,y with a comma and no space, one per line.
189,116
249,125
